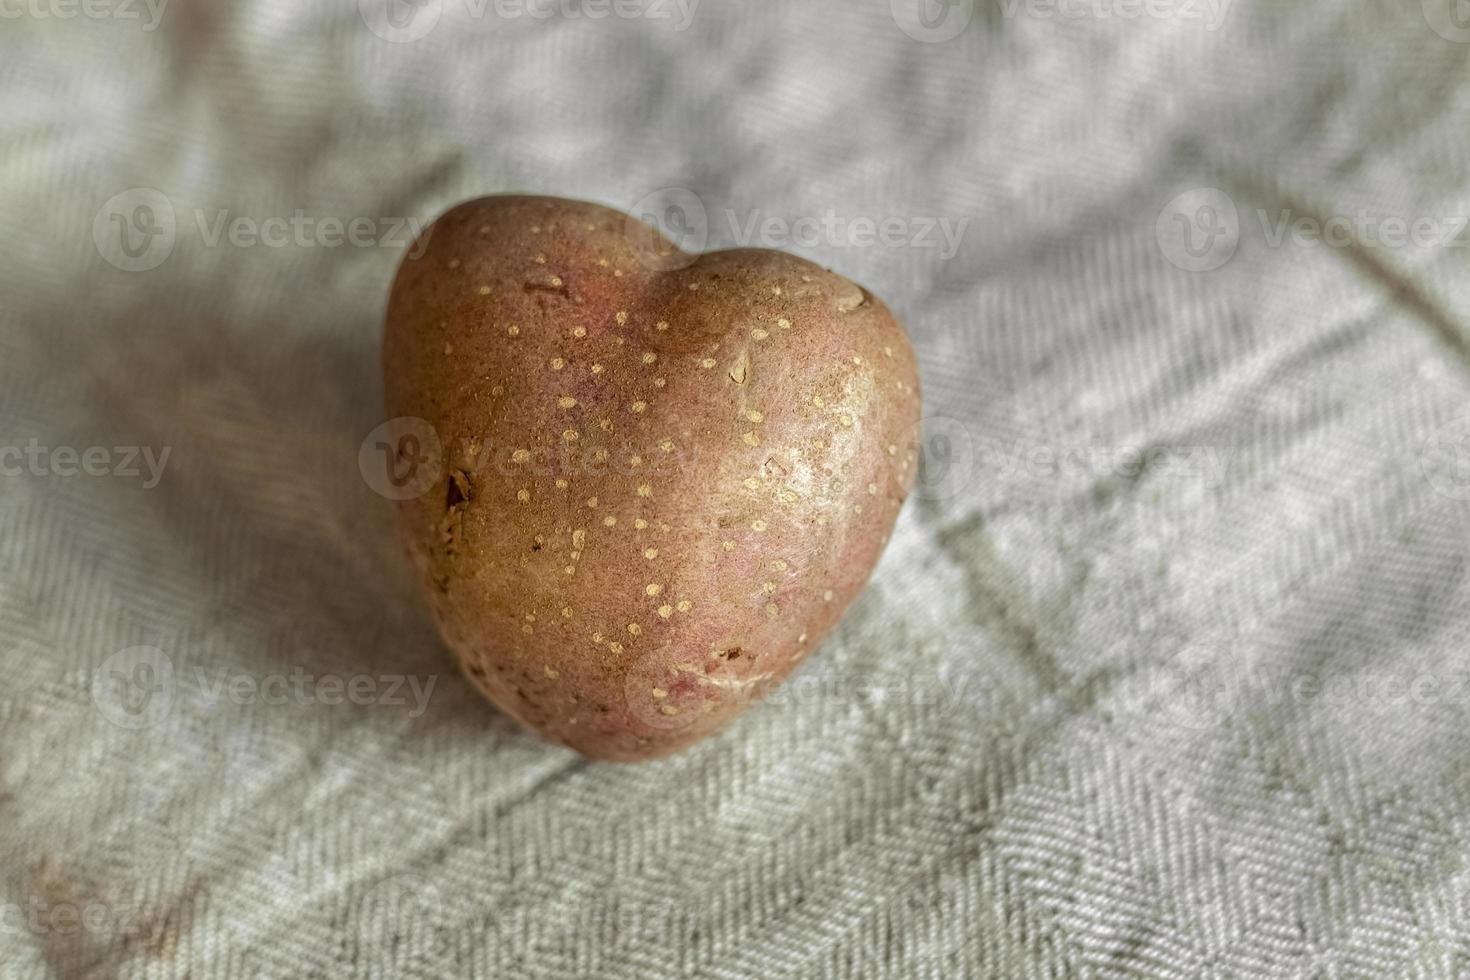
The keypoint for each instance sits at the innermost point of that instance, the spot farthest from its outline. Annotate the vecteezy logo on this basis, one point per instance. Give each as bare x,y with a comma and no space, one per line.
661,694
946,460
1445,459
134,688
401,459
400,21
1199,230
668,228
1197,688
396,918
1450,19
135,231
666,692
932,21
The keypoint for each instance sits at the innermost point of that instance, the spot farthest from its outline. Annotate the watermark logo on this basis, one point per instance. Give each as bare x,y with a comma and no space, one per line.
301,230
401,459
1025,460
405,21
135,230
668,228
678,12
1210,13
932,21
138,688
1363,230
666,692
1450,19
1199,230
947,457
1197,688
135,688
115,908
951,457
1206,683
755,229
123,462
138,229
668,695
1445,459
396,920
149,12
401,21
100,921
300,688
935,694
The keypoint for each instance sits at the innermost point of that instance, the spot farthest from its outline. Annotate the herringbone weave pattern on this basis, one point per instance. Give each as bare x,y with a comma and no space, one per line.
1163,675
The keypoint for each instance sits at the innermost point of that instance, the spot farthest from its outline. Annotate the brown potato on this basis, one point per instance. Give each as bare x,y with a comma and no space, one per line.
664,477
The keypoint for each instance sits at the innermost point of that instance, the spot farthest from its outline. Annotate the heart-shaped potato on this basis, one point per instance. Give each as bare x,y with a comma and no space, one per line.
663,477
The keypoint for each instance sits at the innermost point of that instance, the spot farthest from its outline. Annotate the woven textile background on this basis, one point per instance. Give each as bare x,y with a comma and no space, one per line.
1164,672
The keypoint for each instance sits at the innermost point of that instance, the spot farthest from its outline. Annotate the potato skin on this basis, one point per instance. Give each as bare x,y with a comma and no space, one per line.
664,476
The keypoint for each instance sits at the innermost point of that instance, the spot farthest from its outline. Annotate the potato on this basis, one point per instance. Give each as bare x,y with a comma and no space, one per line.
664,477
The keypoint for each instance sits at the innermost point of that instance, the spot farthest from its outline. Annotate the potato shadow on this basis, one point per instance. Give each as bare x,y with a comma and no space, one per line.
266,548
